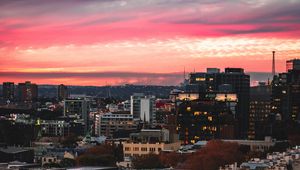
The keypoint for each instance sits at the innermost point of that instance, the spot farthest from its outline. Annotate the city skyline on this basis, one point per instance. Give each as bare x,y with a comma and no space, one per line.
149,41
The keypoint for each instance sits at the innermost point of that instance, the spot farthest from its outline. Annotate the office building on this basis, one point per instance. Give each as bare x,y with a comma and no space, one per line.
108,123
78,109
57,128
260,110
286,93
62,92
27,92
209,116
8,91
233,79
143,107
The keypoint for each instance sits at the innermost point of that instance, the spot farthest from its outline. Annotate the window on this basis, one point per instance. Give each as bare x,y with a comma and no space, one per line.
136,149
200,79
188,109
196,113
152,149
127,148
210,118
144,149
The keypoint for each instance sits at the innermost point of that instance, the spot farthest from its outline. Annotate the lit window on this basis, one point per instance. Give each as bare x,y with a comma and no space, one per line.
210,118
200,79
188,108
196,113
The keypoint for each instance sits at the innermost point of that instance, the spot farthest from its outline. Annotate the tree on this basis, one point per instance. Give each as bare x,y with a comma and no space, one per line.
150,161
172,159
215,154
102,155
69,141
66,162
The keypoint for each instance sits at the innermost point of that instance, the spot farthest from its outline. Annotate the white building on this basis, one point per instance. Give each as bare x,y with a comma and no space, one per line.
143,107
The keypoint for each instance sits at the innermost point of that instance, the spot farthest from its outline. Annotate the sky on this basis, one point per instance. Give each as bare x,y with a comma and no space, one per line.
112,42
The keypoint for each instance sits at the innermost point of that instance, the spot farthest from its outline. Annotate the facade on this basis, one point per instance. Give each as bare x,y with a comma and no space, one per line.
143,107
27,92
61,128
148,110
151,136
62,92
108,123
286,93
260,109
79,109
205,118
8,89
139,149
234,80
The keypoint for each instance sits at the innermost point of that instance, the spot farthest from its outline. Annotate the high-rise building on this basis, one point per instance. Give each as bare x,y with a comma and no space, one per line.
232,79
27,92
62,92
8,89
260,109
286,92
143,107
292,65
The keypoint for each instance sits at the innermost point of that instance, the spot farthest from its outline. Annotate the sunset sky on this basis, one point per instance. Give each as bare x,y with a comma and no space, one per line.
100,42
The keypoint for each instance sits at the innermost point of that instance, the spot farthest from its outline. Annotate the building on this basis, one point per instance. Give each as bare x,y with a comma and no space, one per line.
8,91
148,110
62,92
292,65
286,93
151,136
78,109
54,128
260,109
27,92
232,79
9,154
142,107
149,141
207,116
131,149
108,123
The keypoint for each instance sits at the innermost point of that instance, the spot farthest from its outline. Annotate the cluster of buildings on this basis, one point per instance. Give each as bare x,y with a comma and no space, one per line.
274,161
210,105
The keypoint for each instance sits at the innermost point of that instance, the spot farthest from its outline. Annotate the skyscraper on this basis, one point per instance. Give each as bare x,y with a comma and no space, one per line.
8,89
232,79
286,92
62,92
27,92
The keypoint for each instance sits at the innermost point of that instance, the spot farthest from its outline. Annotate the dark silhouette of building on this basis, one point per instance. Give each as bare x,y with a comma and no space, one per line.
260,108
8,89
286,92
204,118
27,92
62,92
233,79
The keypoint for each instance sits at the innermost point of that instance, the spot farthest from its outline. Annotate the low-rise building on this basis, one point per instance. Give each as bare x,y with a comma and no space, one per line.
131,149
108,123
